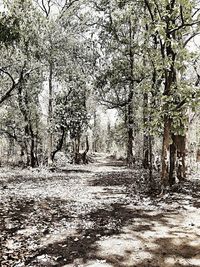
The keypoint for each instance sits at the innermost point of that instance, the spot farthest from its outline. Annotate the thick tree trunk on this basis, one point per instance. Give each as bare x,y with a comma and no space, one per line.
80,157
76,150
84,155
180,142
173,156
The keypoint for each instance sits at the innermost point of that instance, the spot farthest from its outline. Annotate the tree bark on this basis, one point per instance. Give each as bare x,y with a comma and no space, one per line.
146,140
94,141
166,152
130,120
172,162
50,115
180,142
77,158
60,143
32,148
84,155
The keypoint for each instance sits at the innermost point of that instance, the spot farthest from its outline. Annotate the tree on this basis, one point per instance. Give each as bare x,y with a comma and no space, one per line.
22,71
171,25
120,68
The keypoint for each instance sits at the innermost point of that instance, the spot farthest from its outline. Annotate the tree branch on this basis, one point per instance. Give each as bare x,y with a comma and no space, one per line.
190,38
149,9
15,83
184,25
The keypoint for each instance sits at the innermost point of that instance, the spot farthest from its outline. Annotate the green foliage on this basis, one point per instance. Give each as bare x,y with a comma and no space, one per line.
71,113
9,29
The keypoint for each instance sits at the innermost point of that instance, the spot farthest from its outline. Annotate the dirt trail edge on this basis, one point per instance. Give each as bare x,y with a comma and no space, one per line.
94,216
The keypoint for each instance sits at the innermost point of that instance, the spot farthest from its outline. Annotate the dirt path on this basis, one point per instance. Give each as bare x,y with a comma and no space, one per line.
94,216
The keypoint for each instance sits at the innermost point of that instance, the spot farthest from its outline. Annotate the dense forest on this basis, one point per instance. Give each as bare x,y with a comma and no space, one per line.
101,89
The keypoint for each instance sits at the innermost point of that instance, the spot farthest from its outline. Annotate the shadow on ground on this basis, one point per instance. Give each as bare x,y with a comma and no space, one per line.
116,235
122,178
119,238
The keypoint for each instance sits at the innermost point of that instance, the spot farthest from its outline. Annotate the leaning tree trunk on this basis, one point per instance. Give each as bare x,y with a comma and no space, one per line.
60,143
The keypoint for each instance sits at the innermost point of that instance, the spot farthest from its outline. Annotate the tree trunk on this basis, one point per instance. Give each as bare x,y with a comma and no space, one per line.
77,158
84,155
23,106
50,115
180,142
146,140
172,163
150,141
130,121
60,143
94,141
32,148
166,152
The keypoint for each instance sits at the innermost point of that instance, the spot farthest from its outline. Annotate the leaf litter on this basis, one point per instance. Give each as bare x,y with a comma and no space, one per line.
98,215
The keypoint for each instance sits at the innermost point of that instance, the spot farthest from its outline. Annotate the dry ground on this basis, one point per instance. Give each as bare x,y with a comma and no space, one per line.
97,216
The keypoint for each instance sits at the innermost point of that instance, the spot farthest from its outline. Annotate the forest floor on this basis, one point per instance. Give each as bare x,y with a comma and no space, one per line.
97,216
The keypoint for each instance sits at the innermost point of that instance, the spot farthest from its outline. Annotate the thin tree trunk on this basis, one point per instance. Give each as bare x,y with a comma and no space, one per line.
60,143
130,120
150,161
50,115
94,141
32,148
166,152
172,165
146,136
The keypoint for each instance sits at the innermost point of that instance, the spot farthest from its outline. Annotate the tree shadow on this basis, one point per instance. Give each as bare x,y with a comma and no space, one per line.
105,224
123,178
74,171
110,223
116,163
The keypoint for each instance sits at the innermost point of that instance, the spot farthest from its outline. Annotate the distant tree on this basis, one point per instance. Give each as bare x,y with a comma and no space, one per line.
120,68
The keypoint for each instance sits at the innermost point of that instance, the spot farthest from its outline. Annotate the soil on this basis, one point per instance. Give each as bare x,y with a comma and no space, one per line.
96,215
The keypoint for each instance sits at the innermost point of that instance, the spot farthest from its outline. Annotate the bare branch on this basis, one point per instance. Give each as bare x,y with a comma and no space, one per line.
67,5
190,38
15,83
8,74
181,12
149,9
185,25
